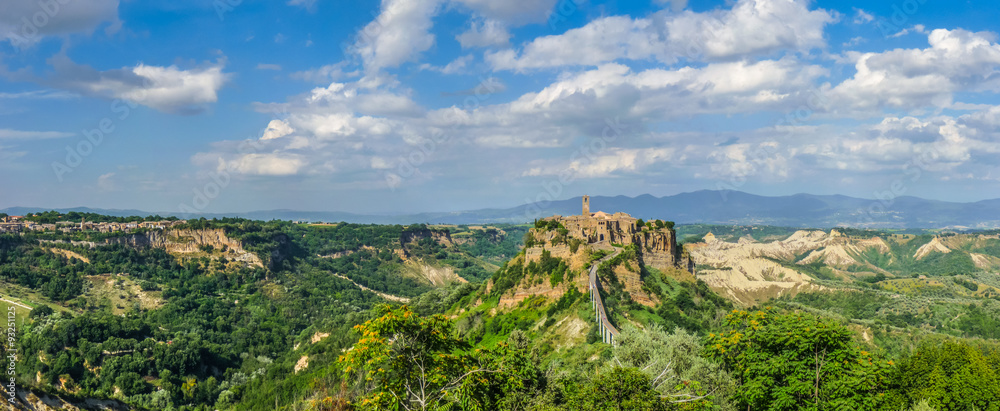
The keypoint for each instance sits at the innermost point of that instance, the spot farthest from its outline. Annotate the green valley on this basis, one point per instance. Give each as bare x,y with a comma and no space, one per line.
240,314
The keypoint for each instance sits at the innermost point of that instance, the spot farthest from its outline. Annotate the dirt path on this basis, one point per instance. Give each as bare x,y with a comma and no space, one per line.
16,303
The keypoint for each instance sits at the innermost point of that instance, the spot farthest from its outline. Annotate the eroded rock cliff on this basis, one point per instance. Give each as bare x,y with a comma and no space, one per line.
192,242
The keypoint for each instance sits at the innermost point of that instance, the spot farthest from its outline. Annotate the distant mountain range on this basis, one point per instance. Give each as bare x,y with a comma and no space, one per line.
705,207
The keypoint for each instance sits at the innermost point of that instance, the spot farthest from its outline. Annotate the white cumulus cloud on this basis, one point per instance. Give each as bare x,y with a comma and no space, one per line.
398,35
956,61
168,89
277,129
750,28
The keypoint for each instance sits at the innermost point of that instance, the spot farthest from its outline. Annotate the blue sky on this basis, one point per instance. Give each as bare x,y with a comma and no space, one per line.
435,105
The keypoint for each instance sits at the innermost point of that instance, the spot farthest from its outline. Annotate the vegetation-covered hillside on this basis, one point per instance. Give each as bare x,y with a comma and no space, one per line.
246,315
156,328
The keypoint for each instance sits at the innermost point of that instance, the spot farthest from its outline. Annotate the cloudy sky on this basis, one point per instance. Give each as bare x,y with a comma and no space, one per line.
436,105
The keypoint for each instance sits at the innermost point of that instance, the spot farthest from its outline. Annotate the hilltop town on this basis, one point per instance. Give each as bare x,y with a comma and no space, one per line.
18,224
655,241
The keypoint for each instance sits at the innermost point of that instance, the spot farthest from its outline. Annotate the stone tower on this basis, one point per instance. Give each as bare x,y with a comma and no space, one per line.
586,206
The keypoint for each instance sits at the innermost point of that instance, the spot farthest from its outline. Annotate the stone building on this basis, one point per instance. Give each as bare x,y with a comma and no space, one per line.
657,247
599,227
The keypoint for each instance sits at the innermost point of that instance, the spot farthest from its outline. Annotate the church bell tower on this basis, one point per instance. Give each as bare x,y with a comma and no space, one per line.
586,206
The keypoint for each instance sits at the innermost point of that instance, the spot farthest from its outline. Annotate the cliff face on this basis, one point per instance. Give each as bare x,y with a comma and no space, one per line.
31,401
629,275
190,242
441,237
655,248
435,276
529,287
412,236
658,249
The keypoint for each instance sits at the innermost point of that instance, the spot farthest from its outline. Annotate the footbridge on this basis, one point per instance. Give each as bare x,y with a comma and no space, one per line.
608,331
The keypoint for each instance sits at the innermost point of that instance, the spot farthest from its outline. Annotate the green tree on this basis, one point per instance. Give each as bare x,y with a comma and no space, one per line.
41,311
621,389
131,383
407,362
797,361
674,364
949,375
511,382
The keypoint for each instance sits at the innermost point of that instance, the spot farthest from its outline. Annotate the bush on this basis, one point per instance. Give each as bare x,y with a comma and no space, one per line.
41,311
147,285
971,285
594,335
553,225
875,279
529,239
